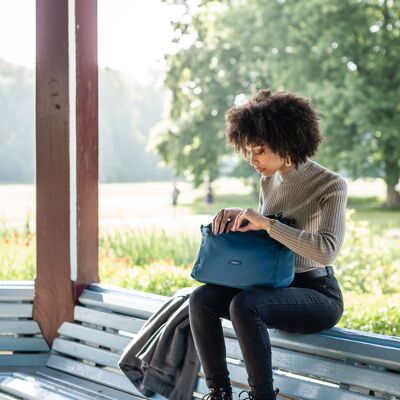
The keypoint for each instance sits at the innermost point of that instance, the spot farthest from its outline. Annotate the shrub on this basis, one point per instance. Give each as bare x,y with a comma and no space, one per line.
372,313
160,279
368,263
17,254
150,246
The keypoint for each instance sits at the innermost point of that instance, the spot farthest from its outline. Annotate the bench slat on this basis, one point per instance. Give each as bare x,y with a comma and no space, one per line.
115,290
292,386
24,360
111,379
335,371
19,283
15,293
23,344
107,319
4,396
328,370
338,347
19,327
360,336
330,346
6,371
134,305
30,390
83,352
15,310
291,389
60,378
75,392
110,340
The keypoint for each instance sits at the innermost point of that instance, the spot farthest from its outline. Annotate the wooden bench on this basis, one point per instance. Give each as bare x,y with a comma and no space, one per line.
21,344
83,364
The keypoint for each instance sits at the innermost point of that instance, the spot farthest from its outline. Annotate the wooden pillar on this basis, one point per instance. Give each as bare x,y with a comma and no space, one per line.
66,158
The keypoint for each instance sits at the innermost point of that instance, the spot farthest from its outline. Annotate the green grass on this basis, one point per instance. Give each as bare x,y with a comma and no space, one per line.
198,206
371,209
364,202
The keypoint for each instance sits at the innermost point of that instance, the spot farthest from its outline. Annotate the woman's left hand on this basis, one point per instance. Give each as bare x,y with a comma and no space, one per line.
255,221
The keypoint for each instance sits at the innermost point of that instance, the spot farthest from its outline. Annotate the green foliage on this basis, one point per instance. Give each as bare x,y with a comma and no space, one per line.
149,247
127,112
160,279
368,263
372,313
17,254
153,260
344,54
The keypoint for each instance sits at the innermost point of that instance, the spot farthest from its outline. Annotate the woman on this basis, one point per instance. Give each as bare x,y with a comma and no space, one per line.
278,133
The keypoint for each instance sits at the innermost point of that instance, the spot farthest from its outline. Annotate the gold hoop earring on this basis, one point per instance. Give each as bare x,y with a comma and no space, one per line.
288,162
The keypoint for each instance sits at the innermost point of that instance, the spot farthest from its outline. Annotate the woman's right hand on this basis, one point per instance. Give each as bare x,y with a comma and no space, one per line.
224,220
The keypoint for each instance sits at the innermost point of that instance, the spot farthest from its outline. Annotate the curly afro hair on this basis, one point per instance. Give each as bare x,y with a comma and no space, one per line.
284,121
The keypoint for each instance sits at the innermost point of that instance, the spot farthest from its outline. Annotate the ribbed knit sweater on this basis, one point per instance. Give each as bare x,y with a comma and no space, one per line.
316,198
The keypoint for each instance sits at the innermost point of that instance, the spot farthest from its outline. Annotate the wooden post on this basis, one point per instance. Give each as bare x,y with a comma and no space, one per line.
66,158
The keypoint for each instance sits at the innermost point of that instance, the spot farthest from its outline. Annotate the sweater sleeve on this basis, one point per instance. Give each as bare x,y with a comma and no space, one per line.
324,245
260,198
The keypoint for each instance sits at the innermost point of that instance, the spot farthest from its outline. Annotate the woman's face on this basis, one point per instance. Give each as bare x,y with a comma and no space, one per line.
265,161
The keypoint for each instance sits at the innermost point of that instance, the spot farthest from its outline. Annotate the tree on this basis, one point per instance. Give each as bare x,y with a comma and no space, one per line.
17,138
128,111
345,55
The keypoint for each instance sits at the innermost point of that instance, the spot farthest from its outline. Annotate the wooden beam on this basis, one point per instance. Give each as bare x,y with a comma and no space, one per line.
66,158
87,142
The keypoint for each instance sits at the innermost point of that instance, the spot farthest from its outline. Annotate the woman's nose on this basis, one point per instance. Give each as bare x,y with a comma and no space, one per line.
252,160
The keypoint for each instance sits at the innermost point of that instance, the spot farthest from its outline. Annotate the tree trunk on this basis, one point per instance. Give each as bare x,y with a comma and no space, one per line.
392,171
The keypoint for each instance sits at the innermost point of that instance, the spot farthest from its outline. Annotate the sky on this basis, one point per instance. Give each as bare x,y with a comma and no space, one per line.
133,35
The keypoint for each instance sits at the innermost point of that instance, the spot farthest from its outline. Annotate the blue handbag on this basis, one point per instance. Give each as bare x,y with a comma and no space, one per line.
244,260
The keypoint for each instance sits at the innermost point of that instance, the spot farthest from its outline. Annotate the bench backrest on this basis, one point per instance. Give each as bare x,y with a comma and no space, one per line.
21,343
337,364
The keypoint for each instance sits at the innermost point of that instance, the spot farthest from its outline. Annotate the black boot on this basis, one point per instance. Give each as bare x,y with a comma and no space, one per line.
251,397
224,393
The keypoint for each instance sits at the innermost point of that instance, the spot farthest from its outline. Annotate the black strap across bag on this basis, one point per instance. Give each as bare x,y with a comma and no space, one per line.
244,260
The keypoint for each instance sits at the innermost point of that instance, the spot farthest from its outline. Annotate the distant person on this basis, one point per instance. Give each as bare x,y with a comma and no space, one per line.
277,133
209,194
175,195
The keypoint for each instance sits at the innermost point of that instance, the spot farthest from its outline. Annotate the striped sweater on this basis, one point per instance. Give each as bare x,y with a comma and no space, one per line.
316,198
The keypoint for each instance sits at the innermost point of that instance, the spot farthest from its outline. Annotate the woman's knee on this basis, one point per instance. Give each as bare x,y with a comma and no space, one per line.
244,304
200,297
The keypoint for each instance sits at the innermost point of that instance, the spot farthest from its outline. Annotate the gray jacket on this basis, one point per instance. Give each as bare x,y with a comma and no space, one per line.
162,357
